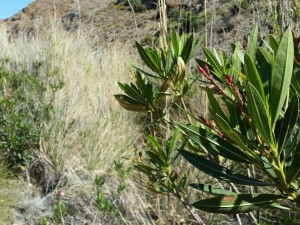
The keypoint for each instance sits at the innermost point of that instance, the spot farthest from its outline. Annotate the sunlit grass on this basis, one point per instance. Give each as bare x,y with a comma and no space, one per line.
88,130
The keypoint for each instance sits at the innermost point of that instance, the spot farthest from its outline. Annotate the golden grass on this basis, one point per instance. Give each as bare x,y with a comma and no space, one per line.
88,130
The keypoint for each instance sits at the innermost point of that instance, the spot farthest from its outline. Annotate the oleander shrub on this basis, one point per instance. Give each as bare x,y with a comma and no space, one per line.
257,127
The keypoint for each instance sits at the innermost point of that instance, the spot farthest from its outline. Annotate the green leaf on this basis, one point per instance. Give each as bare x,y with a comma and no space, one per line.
259,113
148,58
202,63
157,147
155,159
169,61
214,104
187,48
171,144
240,203
274,44
236,137
278,206
214,144
290,148
146,73
268,167
264,56
296,81
145,169
253,76
252,42
234,116
211,190
235,60
175,43
196,45
283,70
213,61
289,122
219,172
266,71
294,171
132,92
141,84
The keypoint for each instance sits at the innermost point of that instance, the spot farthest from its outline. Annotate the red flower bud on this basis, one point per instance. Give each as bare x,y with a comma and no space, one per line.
201,70
204,121
228,80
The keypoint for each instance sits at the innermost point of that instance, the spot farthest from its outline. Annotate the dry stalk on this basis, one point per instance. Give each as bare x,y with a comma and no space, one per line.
134,17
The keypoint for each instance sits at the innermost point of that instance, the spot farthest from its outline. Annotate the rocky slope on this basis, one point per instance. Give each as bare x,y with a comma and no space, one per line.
110,20
106,20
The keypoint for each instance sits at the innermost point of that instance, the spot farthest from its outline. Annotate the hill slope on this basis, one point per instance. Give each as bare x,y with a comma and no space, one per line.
103,19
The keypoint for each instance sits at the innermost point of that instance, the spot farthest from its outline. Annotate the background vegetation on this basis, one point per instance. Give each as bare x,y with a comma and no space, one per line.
64,134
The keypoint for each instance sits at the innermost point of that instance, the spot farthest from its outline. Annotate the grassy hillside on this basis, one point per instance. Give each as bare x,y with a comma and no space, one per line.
83,51
87,131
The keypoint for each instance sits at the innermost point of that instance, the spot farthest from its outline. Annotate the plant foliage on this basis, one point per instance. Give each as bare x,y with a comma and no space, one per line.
256,126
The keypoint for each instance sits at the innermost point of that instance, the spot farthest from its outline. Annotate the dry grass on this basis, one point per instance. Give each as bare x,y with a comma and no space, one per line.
88,130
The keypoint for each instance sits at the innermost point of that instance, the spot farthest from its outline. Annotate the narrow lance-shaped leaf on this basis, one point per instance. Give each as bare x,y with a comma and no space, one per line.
235,61
202,64
259,113
132,92
274,44
175,43
253,76
187,48
214,104
171,144
289,122
147,59
283,70
278,206
169,61
240,203
214,144
146,73
218,171
235,136
294,170
252,42
264,56
213,61
196,45
288,150
141,84
157,147
266,72
149,171
155,158
296,82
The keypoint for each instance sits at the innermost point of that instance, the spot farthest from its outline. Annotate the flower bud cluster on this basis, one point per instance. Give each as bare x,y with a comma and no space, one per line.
211,125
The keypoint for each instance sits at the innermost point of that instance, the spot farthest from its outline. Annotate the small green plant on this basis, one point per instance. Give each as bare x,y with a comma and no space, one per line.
101,202
60,210
123,174
257,127
45,220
